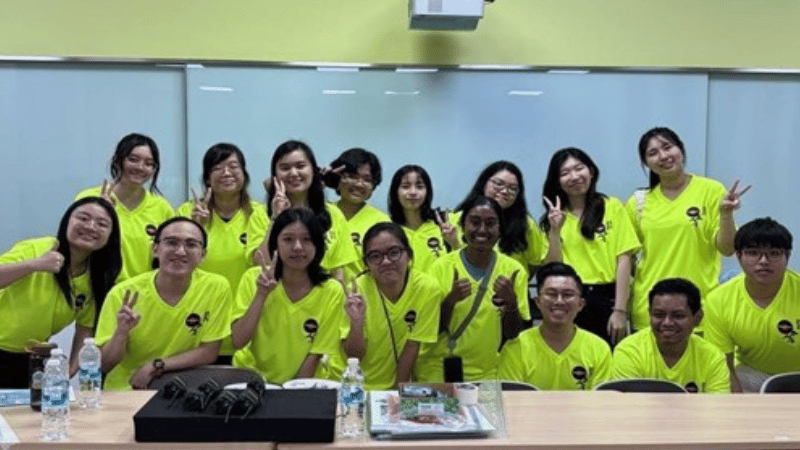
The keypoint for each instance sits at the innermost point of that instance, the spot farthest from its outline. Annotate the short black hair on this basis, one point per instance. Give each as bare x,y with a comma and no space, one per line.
677,286
762,232
557,269
352,159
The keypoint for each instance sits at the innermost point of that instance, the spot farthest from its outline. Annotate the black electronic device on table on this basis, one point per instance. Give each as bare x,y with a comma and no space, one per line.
231,415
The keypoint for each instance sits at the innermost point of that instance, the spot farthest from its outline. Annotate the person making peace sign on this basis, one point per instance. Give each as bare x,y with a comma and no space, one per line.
287,315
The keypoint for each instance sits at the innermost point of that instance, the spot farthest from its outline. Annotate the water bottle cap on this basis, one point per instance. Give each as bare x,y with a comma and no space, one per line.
352,361
88,340
56,352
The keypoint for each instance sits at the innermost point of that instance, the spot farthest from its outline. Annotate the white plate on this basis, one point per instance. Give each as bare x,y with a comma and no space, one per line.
244,385
311,383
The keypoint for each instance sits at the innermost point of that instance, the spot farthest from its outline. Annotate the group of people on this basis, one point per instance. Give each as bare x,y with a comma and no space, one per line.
294,286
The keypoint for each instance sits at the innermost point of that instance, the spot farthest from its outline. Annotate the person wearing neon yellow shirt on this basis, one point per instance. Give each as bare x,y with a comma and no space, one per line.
391,310
225,211
486,300
169,319
684,221
597,239
429,232
355,175
47,283
521,238
134,164
296,182
668,349
754,317
287,315
557,355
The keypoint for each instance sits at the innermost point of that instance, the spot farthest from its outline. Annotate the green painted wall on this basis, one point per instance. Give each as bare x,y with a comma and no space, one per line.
614,33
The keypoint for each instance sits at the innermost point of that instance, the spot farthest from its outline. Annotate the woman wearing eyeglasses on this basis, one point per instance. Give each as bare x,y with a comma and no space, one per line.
521,239
391,310
225,212
355,174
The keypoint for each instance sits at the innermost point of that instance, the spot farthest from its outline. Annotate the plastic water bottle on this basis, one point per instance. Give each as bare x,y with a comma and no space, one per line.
89,375
55,401
351,401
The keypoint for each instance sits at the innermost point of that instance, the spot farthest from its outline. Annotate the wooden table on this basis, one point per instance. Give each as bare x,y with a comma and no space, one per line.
109,427
536,420
612,420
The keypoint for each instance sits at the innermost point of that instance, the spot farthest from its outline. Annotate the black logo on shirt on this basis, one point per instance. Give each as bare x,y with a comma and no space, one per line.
411,319
80,300
581,376
435,246
310,326
356,238
602,231
786,328
694,214
243,238
194,321
150,229
691,387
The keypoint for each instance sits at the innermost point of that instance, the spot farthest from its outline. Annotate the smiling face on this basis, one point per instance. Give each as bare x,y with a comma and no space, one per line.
179,249
764,265
412,191
663,157
387,259
503,187
89,227
482,228
138,167
295,247
559,300
671,319
227,176
575,177
295,171
357,187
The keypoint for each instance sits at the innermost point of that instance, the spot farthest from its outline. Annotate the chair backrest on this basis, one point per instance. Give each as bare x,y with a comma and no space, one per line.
641,385
224,375
517,386
782,382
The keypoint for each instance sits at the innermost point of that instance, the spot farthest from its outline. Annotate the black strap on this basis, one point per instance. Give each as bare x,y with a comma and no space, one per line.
452,338
389,324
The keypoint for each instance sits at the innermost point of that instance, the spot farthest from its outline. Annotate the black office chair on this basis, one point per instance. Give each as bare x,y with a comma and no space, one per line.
641,385
782,383
224,375
506,385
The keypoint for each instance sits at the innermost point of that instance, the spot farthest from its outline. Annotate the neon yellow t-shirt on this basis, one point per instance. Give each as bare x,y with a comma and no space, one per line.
428,244
202,315
479,343
33,307
287,331
415,317
358,225
702,367
537,243
226,253
340,249
596,260
136,228
678,240
585,363
765,339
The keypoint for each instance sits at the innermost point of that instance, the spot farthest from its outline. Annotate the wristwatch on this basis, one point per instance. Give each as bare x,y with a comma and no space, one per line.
158,365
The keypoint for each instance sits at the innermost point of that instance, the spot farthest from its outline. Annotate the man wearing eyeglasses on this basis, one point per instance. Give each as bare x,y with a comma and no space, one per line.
557,355
754,317
169,319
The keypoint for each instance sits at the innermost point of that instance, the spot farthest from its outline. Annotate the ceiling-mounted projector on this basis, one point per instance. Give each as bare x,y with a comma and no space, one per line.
444,14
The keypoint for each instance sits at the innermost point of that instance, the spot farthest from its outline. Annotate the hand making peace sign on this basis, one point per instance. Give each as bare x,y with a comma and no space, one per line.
731,201
200,212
